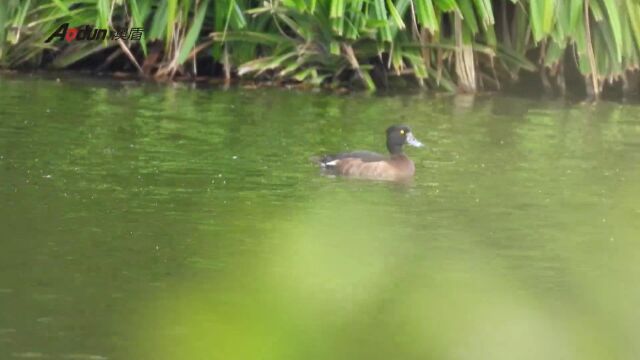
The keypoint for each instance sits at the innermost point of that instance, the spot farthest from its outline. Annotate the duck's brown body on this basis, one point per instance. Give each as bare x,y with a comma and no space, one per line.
397,168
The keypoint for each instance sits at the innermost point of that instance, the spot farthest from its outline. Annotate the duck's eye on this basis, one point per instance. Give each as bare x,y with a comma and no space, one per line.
402,131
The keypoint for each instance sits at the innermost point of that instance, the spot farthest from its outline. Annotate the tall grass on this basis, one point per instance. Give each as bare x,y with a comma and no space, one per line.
462,45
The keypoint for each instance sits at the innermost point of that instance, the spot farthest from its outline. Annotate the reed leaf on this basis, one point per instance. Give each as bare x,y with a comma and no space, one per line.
468,15
194,31
171,15
542,15
426,15
615,27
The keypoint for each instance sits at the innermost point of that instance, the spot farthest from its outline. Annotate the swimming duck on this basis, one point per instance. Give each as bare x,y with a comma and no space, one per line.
373,166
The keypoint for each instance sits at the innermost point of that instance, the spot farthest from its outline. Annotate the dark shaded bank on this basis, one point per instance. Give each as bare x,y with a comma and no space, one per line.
530,88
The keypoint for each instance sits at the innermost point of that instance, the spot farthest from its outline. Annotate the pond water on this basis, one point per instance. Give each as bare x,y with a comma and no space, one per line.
166,222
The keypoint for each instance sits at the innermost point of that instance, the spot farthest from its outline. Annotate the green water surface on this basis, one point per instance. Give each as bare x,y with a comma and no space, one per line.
165,222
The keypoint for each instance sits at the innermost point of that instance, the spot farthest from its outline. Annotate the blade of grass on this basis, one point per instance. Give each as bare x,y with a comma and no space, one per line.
193,33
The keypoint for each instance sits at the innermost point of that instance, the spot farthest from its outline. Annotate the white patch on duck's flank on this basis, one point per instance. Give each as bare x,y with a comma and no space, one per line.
331,163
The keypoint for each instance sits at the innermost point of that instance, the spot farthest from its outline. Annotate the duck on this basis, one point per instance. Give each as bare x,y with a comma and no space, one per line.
373,166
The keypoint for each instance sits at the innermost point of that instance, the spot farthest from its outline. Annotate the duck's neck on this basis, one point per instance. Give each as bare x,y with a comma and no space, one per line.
394,149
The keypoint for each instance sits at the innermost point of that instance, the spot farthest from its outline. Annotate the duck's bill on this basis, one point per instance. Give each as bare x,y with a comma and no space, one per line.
411,140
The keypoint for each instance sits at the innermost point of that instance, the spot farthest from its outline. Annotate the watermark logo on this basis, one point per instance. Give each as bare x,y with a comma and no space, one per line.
88,33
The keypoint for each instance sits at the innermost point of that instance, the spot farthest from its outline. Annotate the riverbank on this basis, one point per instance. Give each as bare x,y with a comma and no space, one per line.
453,45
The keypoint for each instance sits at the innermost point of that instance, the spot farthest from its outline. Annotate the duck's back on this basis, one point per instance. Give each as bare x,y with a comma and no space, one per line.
364,156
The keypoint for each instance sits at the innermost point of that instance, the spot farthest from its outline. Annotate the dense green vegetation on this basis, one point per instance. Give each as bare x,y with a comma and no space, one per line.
449,44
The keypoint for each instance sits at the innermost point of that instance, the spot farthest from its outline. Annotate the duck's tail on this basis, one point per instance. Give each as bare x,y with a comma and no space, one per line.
325,161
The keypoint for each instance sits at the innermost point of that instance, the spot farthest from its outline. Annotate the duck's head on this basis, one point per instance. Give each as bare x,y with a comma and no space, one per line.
397,136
